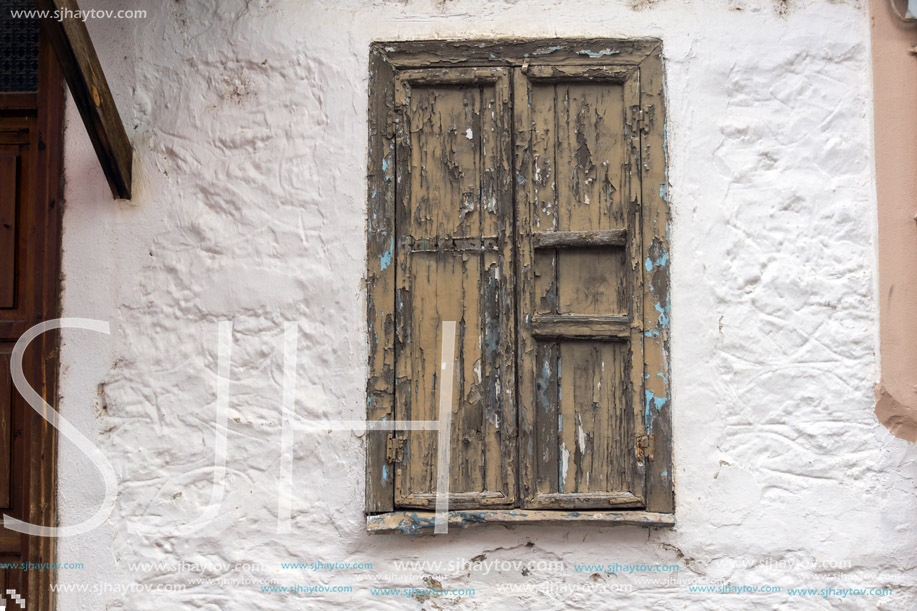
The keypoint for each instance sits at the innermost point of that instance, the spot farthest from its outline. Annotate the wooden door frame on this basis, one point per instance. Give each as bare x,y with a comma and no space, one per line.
35,440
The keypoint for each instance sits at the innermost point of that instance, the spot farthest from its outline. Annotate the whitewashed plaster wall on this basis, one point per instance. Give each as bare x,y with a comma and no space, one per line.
249,126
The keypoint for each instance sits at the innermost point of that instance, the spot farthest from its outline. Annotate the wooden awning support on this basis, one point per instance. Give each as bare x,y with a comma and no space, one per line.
80,66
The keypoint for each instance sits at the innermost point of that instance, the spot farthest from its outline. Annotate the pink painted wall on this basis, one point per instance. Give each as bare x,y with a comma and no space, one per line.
895,81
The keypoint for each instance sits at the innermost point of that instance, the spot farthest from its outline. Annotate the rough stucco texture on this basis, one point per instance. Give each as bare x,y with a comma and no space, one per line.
249,123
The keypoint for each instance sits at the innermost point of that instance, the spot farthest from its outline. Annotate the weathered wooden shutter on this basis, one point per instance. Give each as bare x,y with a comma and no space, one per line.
561,300
454,261
581,286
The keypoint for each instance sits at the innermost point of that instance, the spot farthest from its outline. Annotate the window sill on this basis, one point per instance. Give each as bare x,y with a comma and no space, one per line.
421,522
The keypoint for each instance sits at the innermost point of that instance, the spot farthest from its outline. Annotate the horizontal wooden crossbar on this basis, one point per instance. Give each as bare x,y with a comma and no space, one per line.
586,327
579,239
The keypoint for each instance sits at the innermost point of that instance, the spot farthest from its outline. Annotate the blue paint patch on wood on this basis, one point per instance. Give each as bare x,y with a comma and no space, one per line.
652,406
386,259
602,53
663,316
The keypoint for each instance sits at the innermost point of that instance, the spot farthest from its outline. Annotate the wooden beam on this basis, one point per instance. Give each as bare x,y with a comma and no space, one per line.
80,66
422,522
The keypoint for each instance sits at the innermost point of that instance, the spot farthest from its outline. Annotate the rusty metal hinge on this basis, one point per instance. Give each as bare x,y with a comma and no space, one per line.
645,446
394,449
392,122
642,113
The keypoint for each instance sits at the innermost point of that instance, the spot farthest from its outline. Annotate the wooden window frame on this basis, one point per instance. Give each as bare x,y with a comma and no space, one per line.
586,59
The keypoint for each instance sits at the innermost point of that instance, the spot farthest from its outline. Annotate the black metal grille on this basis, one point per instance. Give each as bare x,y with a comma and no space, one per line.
18,47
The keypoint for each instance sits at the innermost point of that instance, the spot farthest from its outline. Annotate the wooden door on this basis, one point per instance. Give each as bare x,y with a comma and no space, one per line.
30,213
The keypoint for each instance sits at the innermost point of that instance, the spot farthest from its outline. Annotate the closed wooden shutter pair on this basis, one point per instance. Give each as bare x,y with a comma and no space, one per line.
518,197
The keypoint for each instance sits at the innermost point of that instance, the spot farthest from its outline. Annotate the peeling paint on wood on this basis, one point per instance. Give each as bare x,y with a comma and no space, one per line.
421,523
453,193
380,280
514,52
590,270
657,310
580,311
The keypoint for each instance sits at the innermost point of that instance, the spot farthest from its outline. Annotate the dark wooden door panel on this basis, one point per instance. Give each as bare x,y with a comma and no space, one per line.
20,239
9,187
30,215
8,396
